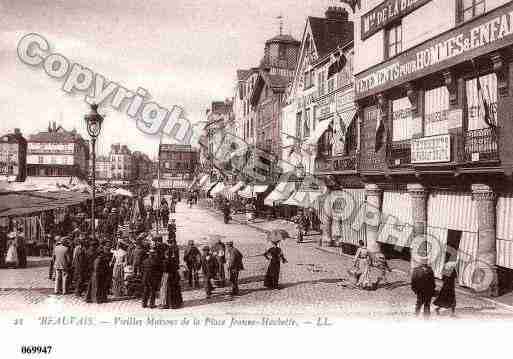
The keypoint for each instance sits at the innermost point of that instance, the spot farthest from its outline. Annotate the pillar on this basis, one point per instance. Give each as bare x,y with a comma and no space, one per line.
484,196
374,202
418,196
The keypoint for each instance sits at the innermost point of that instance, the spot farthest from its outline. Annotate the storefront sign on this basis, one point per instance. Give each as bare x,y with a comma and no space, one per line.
481,36
387,12
431,149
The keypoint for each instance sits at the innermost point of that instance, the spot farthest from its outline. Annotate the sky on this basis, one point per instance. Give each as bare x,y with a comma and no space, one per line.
183,53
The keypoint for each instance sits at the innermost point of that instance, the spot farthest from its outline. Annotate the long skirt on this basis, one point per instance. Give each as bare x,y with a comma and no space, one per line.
170,291
12,256
97,289
118,281
272,276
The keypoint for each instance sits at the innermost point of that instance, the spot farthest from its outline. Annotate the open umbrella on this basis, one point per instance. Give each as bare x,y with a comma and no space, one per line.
277,235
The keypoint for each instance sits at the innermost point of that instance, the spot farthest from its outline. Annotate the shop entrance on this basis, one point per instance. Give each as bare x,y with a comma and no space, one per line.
453,241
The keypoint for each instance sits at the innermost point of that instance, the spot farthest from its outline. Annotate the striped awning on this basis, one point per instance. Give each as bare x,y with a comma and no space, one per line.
305,199
218,188
237,187
458,212
281,193
251,191
342,227
505,231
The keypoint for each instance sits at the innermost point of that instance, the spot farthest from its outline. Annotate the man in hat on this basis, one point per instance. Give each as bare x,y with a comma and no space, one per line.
62,263
151,275
220,254
192,259
235,265
171,229
423,285
139,255
79,266
209,267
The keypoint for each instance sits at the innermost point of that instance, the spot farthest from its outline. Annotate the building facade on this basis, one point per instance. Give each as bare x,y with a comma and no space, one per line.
57,153
103,168
435,99
178,165
13,156
122,163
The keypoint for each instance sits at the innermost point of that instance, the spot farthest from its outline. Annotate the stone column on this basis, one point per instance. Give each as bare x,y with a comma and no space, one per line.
487,252
374,202
418,196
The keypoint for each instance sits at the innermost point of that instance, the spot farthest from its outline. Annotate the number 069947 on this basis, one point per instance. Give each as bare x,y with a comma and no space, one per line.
36,349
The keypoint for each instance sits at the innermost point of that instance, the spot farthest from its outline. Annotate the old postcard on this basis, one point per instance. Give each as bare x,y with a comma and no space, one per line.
335,171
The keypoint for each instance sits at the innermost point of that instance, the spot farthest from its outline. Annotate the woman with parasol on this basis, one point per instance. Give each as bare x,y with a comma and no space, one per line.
275,256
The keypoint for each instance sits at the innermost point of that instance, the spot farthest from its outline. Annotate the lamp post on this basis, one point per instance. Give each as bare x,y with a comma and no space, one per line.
94,126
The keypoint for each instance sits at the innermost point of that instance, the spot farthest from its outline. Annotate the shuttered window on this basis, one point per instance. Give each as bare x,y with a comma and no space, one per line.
475,104
436,111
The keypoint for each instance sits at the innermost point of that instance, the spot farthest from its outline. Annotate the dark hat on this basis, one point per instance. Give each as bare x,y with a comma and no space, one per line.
229,243
206,249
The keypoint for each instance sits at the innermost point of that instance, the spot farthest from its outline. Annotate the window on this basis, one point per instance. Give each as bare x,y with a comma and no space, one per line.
331,84
321,82
475,104
393,40
468,9
40,159
436,110
404,126
298,125
306,124
282,52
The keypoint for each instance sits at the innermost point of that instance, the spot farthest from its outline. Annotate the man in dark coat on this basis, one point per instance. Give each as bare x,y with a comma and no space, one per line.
79,265
220,254
3,245
209,267
192,259
139,255
171,229
92,253
151,275
235,265
423,285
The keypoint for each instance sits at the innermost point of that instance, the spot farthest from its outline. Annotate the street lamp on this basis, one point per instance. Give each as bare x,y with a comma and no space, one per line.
94,126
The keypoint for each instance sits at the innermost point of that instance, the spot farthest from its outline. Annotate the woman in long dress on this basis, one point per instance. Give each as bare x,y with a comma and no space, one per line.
447,296
275,257
361,265
11,258
119,261
170,290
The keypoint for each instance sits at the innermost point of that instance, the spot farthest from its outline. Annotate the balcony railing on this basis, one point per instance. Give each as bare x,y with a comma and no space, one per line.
337,163
481,145
399,153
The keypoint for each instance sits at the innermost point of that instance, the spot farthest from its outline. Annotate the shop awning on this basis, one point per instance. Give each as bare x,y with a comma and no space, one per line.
218,188
281,193
210,187
237,187
319,131
251,191
203,180
305,199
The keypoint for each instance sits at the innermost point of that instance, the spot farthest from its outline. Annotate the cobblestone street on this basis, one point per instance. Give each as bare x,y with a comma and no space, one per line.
315,283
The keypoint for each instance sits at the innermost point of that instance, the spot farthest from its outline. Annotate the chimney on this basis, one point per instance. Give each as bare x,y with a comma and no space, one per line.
17,131
336,13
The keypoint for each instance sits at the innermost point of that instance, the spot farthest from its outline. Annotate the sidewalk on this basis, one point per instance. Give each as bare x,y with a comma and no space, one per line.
398,266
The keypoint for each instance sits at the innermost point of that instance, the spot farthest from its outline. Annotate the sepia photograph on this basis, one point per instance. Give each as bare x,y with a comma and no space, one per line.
202,177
